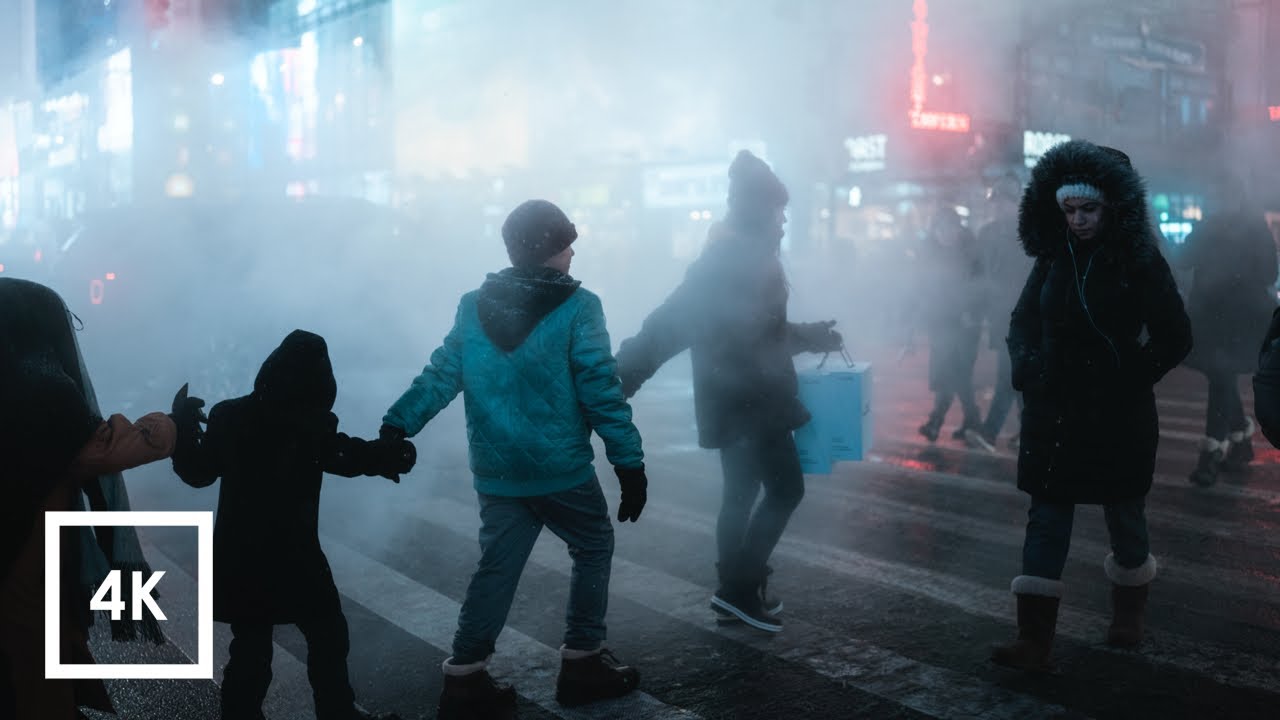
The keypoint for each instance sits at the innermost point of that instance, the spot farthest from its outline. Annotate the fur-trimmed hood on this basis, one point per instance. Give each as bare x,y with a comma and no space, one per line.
1042,227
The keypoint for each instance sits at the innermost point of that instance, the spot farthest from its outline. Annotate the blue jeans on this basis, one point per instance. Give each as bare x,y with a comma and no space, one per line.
1044,551
509,528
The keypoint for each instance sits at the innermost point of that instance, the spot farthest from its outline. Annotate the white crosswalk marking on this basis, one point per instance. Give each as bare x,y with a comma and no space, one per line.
862,665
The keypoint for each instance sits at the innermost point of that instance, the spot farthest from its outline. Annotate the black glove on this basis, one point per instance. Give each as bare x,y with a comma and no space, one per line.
391,432
390,458
635,492
820,337
187,415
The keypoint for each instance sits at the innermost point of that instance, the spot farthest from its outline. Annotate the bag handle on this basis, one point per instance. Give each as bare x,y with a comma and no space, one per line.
844,353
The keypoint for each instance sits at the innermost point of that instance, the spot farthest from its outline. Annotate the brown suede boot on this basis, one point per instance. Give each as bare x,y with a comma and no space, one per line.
1038,600
1128,600
1128,604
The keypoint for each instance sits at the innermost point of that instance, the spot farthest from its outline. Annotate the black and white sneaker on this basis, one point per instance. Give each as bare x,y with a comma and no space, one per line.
747,607
771,605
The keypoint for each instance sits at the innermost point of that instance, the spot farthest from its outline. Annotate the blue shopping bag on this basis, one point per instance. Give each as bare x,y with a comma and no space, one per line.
839,401
813,440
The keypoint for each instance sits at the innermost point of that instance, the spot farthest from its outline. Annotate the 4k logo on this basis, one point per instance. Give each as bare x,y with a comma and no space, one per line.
105,599
143,589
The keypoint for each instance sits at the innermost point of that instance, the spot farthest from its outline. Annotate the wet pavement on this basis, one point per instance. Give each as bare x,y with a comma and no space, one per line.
895,572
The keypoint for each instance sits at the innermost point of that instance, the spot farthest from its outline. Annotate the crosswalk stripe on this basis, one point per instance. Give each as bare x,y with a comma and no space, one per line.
432,617
1223,665
1011,534
932,690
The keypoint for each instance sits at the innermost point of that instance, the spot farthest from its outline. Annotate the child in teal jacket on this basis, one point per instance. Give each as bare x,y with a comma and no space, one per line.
531,356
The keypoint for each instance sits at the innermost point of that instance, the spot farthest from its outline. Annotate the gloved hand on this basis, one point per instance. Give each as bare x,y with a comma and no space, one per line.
820,337
187,415
389,458
635,492
391,432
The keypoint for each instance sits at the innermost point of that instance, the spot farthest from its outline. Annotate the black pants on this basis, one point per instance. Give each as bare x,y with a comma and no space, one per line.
746,539
248,672
1004,395
1226,410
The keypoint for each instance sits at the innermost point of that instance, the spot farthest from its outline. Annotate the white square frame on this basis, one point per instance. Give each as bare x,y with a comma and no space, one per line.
54,669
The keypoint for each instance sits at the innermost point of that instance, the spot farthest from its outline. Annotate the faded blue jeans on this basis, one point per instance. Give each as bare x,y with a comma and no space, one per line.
509,528
1044,551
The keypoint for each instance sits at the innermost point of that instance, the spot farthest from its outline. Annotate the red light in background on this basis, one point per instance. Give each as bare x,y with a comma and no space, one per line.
942,121
39,255
111,276
96,290
1274,110
1,267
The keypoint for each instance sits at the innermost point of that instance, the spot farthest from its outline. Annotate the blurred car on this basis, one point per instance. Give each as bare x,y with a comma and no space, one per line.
203,291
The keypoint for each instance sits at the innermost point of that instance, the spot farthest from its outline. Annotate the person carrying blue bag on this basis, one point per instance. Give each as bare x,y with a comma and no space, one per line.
731,312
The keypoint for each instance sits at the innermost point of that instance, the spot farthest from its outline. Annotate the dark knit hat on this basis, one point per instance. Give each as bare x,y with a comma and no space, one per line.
753,186
536,231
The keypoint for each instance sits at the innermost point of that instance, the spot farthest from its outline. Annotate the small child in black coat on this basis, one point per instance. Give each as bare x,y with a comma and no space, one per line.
271,449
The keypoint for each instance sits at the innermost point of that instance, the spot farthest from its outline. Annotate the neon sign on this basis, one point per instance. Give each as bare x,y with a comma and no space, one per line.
919,49
944,121
866,153
920,118
1275,113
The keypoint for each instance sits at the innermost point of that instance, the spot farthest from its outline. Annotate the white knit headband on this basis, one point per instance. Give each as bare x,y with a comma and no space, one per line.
1083,191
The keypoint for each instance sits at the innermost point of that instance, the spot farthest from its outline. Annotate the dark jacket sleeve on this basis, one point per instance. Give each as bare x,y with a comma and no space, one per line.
1168,327
200,463
1266,383
669,330
599,392
349,457
1025,330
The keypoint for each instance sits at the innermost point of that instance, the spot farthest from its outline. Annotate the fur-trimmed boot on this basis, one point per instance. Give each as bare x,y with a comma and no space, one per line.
590,675
1038,600
1128,600
471,693
1240,450
1212,454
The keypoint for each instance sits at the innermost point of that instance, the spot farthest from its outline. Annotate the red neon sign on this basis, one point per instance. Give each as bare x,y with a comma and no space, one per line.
1275,113
922,119
919,50
943,121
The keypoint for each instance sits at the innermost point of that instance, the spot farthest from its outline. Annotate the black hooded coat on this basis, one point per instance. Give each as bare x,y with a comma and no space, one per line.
1089,423
271,448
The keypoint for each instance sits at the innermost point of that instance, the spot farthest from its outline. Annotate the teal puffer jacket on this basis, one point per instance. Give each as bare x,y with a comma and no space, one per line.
530,353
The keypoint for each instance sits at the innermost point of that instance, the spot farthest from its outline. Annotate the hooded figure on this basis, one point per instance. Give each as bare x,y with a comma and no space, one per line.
58,452
1233,256
271,448
1089,424
1004,268
530,354
950,304
731,313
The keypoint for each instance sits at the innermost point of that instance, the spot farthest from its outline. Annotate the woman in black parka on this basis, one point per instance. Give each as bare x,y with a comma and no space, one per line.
271,448
1089,425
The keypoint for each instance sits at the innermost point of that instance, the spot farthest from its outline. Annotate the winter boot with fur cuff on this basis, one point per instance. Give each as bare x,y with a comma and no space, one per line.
1240,450
1038,600
1212,454
471,693
1128,600
590,675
